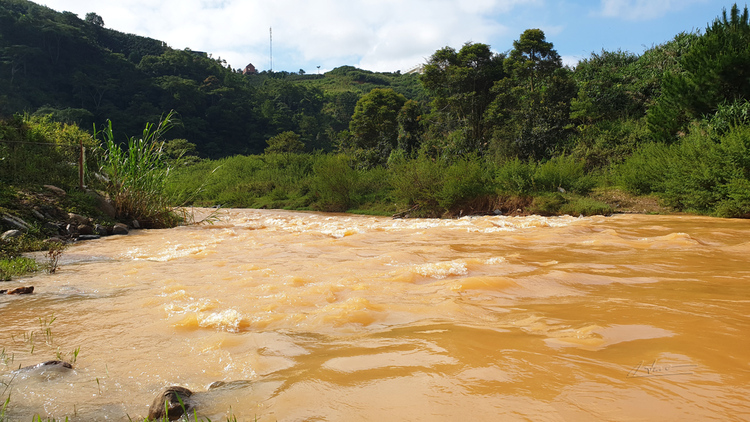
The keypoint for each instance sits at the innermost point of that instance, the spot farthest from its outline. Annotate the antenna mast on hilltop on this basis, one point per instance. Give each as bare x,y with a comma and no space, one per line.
270,34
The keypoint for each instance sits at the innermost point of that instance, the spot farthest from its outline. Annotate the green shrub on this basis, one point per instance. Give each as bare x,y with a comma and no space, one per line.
465,180
563,172
416,185
516,177
645,171
13,267
585,206
549,204
334,182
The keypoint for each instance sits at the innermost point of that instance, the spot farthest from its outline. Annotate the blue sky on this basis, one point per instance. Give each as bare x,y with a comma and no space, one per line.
390,35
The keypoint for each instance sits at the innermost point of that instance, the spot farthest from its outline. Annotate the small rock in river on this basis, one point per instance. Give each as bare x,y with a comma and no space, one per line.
167,404
26,290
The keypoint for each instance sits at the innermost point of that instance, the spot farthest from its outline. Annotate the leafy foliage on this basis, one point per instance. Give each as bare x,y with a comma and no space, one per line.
531,112
460,83
715,69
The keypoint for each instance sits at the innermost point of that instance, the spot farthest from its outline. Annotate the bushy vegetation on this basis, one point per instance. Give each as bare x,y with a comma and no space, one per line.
475,132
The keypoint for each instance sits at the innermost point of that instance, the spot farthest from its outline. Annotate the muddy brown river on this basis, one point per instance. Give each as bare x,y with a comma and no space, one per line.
316,317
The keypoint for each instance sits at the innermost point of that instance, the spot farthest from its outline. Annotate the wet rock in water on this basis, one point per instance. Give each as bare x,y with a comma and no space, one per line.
88,237
26,290
47,371
50,364
11,234
120,228
167,404
55,190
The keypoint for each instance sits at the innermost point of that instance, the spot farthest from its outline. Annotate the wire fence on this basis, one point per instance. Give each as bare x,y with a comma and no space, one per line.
23,162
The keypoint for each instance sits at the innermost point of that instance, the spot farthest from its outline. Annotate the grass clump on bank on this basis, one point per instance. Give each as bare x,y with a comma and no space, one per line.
135,177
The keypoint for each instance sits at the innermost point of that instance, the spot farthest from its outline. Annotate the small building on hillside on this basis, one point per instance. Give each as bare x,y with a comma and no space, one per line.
249,70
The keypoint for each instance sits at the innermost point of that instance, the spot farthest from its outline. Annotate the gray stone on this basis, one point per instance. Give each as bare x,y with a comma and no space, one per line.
51,227
15,222
37,214
100,230
105,205
45,371
120,228
78,219
11,234
54,189
71,230
88,236
85,230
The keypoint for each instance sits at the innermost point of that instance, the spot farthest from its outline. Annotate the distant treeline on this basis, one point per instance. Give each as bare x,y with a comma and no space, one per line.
671,121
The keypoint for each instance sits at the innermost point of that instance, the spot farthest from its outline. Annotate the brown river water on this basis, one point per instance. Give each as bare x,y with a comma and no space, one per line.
319,317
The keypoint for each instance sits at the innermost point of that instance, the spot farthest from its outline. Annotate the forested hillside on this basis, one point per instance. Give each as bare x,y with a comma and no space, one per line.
82,72
475,128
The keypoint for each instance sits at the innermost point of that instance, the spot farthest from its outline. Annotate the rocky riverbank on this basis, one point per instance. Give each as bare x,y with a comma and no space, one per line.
45,218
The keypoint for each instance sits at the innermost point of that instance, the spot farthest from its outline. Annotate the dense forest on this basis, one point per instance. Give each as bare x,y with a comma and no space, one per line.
474,131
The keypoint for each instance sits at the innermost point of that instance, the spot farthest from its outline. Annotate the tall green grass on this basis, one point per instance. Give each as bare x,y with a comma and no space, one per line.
136,177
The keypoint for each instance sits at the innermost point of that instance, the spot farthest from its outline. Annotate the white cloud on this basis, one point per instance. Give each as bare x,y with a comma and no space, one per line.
640,10
383,35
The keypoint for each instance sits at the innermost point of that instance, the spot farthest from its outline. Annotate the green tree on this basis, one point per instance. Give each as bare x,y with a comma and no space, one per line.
95,19
461,85
285,143
532,58
374,126
531,111
714,70
410,128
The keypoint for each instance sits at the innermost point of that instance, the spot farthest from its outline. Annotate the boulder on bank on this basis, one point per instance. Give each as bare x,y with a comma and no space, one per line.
171,404
14,222
120,228
104,204
100,230
55,190
85,230
77,219
11,234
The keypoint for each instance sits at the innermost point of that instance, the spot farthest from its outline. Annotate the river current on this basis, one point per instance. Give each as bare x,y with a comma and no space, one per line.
320,317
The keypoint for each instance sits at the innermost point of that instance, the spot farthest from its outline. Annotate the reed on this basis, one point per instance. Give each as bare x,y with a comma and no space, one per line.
136,178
